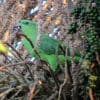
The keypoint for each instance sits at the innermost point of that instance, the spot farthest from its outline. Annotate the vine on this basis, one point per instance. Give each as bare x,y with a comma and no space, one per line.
86,21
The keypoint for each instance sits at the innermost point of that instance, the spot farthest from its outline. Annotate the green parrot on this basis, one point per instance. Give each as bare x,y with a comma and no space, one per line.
48,48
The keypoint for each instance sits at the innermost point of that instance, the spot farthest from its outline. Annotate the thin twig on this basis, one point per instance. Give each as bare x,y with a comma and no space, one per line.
6,92
21,57
98,58
66,77
91,94
53,96
61,87
11,89
53,76
15,50
18,63
15,76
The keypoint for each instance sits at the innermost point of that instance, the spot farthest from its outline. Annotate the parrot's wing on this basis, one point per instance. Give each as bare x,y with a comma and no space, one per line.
50,45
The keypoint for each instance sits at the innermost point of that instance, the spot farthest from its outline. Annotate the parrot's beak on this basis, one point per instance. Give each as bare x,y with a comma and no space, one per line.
16,28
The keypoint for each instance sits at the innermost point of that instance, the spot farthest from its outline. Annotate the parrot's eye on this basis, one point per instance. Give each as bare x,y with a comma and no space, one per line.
26,23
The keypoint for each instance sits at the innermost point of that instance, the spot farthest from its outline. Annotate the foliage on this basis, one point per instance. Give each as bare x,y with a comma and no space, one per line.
87,18
3,48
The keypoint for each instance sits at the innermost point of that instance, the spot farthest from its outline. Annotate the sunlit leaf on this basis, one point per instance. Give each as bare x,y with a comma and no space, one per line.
3,48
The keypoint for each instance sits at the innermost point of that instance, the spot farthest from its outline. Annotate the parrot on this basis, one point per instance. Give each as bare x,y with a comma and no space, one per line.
48,48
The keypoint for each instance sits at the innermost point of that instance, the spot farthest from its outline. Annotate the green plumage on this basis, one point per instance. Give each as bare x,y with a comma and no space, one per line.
48,48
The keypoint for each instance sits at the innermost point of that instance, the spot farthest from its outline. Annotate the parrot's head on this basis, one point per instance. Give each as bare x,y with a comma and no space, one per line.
27,27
